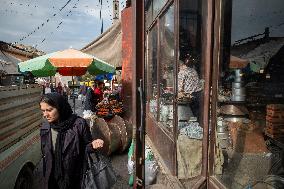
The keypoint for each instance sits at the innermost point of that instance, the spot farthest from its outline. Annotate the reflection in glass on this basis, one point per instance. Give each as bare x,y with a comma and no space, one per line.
167,60
149,13
152,92
157,6
249,143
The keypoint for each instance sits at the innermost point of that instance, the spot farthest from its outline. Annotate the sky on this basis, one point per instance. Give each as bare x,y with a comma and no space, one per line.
75,25
250,17
18,18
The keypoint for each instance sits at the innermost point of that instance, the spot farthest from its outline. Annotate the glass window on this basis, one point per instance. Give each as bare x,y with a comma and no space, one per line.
190,91
149,13
167,62
152,92
249,141
157,6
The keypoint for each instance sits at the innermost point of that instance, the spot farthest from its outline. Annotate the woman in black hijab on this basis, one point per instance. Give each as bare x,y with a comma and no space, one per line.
64,139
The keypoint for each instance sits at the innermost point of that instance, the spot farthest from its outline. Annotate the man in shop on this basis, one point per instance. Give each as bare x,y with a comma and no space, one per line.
189,84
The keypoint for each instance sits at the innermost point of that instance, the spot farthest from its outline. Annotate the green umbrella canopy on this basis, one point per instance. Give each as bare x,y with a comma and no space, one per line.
100,67
69,62
39,66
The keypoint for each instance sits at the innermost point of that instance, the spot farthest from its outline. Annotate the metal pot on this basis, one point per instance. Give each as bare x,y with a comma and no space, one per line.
236,119
238,98
234,110
238,75
237,84
223,135
222,129
239,91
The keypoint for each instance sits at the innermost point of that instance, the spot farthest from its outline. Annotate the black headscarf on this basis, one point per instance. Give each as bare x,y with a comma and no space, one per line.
65,122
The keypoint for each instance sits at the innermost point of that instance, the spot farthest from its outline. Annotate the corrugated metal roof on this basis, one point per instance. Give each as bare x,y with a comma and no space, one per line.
258,52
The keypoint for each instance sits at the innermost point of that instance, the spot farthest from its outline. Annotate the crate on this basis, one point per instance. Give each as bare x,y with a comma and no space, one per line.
275,120
275,107
274,135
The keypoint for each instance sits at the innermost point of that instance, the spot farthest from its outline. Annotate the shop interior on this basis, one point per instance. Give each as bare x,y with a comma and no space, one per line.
247,126
250,109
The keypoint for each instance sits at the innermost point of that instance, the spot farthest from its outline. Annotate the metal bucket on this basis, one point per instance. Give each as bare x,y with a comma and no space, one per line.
238,98
239,91
238,77
237,84
222,129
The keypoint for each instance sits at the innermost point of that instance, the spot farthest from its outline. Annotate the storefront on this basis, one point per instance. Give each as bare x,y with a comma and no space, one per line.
177,68
247,95
212,72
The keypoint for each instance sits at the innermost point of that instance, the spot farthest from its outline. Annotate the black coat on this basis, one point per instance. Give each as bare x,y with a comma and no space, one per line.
77,139
91,100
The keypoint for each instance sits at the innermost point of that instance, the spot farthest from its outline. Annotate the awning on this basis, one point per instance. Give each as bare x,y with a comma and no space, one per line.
108,46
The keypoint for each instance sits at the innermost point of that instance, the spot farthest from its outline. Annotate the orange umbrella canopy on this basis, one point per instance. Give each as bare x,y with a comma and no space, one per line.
236,62
71,62
68,62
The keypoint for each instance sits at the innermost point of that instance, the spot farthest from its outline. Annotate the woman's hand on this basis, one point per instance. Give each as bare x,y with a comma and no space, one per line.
98,143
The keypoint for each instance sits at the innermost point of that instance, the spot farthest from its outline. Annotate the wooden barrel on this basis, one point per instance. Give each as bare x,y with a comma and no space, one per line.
129,129
110,134
125,136
117,120
116,144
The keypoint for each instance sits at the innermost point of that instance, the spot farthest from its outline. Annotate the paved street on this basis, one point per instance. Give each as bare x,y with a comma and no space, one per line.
119,161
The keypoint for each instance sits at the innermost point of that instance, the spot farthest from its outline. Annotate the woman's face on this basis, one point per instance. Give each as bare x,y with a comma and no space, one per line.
49,112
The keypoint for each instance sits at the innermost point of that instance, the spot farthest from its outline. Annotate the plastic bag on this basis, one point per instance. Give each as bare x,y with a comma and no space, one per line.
151,170
148,154
87,114
130,164
80,97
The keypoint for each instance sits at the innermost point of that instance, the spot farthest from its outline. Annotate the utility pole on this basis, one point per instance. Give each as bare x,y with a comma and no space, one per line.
115,11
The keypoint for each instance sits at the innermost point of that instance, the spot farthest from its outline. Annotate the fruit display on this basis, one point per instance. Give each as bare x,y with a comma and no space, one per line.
109,108
116,107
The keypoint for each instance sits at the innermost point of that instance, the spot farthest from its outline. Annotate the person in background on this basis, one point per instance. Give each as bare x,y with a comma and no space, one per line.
52,88
59,88
189,84
83,92
66,91
65,138
47,88
90,102
99,93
